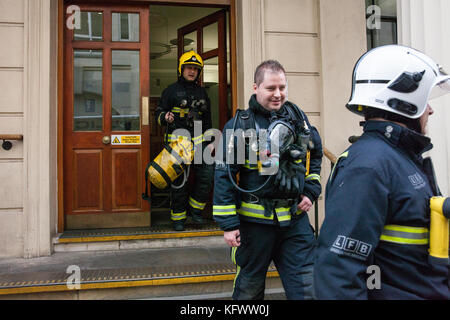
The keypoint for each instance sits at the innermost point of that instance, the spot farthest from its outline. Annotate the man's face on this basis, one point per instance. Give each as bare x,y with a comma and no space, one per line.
424,118
190,72
271,93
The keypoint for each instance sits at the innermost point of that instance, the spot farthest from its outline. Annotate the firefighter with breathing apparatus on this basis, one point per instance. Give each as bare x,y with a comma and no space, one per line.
381,190
278,155
183,106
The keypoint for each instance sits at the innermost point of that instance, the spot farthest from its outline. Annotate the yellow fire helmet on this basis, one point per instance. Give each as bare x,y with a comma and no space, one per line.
191,58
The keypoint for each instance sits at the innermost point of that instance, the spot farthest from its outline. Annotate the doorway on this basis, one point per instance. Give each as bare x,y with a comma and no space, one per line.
117,63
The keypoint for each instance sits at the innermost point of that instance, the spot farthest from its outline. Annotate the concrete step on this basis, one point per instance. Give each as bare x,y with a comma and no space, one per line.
201,271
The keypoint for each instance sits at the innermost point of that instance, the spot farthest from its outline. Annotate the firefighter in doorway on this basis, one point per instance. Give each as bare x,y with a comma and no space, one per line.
184,104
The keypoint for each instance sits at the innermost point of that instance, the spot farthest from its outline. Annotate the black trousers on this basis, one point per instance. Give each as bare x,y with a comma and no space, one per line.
291,248
195,201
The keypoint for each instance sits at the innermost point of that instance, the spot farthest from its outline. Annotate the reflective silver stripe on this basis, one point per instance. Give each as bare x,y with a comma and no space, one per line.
178,215
253,211
224,210
405,235
283,214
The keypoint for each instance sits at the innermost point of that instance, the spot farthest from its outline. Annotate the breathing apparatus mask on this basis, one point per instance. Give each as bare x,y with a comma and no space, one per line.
285,141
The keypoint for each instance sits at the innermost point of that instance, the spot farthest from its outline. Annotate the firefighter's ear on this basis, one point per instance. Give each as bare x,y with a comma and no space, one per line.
255,87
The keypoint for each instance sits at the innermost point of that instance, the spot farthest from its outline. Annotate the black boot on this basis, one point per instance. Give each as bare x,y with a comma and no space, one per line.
178,225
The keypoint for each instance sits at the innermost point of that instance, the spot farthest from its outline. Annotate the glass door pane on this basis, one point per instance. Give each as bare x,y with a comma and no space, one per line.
190,42
91,27
87,90
210,37
125,27
211,84
125,106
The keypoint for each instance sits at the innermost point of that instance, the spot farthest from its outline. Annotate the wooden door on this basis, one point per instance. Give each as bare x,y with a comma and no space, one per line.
106,117
210,42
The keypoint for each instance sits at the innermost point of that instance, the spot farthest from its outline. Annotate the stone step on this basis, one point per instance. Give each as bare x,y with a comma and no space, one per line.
124,274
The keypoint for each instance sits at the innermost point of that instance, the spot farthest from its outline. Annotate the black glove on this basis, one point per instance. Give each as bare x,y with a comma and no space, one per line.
287,178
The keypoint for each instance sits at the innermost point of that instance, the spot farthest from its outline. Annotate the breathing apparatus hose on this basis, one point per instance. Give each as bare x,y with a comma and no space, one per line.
185,179
229,170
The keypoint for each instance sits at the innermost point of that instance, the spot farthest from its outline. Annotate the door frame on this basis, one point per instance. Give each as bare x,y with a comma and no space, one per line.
228,4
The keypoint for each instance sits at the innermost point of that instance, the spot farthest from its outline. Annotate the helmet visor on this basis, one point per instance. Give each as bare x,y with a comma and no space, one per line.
441,88
442,85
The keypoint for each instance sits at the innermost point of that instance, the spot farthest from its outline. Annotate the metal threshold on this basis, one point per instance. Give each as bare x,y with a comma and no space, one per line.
37,282
141,233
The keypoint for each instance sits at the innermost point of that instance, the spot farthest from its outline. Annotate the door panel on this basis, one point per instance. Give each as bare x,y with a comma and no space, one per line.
126,163
88,170
106,79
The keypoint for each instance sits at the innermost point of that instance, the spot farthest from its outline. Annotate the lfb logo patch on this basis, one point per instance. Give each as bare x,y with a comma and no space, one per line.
416,180
351,246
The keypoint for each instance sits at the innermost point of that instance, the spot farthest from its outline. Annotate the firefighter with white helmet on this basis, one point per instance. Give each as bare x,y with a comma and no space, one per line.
182,104
375,239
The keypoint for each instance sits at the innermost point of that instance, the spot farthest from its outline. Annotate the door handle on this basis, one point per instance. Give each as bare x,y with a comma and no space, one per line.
106,140
145,111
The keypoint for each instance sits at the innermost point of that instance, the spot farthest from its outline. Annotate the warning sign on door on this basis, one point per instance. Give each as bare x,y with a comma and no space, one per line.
125,139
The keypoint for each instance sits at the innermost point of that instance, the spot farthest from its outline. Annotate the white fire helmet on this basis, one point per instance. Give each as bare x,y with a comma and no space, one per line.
397,79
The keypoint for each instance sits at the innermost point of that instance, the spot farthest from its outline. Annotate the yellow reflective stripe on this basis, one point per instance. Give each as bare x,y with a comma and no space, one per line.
313,176
179,110
403,240
209,133
344,155
219,210
249,165
178,215
405,234
173,137
195,204
198,140
159,118
298,161
233,254
253,211
405,229
283,214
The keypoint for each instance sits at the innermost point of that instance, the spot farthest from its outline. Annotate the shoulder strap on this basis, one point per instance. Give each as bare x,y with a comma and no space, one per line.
294,111
246,119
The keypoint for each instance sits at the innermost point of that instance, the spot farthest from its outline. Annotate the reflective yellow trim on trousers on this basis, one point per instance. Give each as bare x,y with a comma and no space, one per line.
177,216
238,268
195,204
405,235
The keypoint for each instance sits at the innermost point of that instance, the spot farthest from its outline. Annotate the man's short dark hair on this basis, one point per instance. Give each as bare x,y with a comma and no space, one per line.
272,65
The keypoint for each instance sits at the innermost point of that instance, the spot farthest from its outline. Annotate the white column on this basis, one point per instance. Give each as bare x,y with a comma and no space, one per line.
424,25
39,145
250,45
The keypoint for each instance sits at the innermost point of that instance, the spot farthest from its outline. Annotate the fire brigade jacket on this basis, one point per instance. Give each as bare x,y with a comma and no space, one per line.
377,218
231,205
181,98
